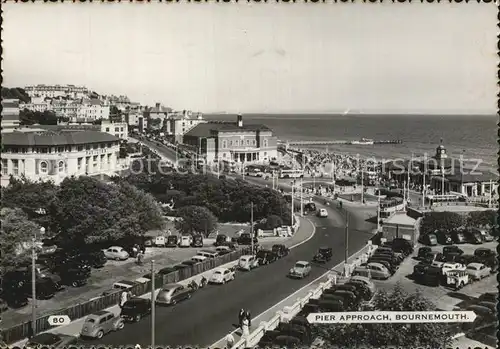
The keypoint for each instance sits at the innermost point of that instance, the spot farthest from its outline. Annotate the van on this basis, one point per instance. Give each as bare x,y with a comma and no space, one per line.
160,241
247,262
208,254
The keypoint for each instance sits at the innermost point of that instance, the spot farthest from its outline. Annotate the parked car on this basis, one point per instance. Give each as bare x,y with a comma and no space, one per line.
456,279
41,271
365,281
222,250
310,207
45,288
166,270
444,238
473,237
428,239
197,240
14,296
452,249
211,254
477,271
98,324
323,255
365,293
247,262
484,253
485,235
350,299
322,212
419,270
74,277
96,259
245,239
466,259
185,241
487,257
221,276
296,331
117,253
433,256
190,262
423,252
380,259
300,270
172,241
432,276
199,259
220,240
345,287
490,305
280,250
171,294
265,257
488,297
51,340
375,270
135,309
402,245
458,236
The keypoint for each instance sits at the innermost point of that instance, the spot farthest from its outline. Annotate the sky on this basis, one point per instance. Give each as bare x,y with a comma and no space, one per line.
262,58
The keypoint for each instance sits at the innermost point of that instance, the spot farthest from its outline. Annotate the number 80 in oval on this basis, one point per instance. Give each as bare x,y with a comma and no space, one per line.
58,320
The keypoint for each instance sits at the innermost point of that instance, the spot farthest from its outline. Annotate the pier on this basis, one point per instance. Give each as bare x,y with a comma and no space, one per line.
332,142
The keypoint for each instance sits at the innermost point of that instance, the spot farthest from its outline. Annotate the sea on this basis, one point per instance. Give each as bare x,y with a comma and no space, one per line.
475,138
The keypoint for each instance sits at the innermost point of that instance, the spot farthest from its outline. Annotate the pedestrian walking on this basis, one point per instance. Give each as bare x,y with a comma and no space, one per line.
123,299
135,251
241,316
245,328
249,318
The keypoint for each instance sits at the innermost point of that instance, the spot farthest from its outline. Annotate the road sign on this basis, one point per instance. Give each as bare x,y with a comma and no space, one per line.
58,320
372,317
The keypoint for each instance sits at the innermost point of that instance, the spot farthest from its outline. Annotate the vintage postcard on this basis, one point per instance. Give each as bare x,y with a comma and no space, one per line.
249,174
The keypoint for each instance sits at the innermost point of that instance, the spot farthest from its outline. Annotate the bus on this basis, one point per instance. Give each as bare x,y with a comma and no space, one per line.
291,173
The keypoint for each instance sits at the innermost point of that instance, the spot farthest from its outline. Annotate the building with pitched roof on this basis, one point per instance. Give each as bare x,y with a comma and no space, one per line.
10,112
233,142
54,91
39,154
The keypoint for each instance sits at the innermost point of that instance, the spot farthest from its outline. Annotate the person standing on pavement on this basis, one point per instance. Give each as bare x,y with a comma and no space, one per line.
123,298
245,328
249,318
241,316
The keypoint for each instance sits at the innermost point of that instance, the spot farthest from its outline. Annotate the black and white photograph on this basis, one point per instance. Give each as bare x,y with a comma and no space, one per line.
249,174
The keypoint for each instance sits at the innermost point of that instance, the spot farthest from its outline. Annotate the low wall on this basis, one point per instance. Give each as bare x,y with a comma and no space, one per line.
289,312
21,331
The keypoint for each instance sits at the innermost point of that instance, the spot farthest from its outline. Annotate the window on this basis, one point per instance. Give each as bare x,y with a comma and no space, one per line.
117,129
248,142
103,145
44,150
96,146
265,143
80,148
109,145
254,142
80,161
94,158
107,129
223,155
4,166
44,167
241,142
121,129
60,166
109,159
224,144
87,147
60,149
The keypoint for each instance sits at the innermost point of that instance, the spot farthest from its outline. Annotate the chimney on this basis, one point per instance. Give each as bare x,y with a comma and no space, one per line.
240,120
158,105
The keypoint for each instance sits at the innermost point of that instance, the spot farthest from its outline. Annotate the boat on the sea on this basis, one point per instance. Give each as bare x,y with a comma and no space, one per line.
363,141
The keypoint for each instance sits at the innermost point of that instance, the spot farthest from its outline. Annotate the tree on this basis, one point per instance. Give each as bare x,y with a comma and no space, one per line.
445,221
16,229
273,221
433,335
196,219
15,93
486,218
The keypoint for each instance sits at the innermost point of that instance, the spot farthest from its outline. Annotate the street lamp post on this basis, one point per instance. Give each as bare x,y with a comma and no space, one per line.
153,301
301,198
33,281
291,224
378,214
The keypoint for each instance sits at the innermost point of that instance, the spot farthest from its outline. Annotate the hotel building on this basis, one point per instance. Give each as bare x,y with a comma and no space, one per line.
54,91
54,156
232,142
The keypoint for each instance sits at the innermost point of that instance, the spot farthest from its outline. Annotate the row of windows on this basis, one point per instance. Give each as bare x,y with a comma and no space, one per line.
117,129
60,149
242,142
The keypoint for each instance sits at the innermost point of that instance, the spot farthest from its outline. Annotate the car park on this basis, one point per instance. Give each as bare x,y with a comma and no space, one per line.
265,257
247,262
208,253
221,276
300,270
245,239
365,281
322,213
51,340
323,255
220,240
477,271
135,309
428,239
444,238
280,250
185,241
172,241
171,294
98,324
375,270
117,253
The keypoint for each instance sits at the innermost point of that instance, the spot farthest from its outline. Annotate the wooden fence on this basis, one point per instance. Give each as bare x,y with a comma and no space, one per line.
21,331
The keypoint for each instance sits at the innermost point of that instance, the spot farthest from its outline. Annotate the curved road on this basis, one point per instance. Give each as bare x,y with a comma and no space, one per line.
210,314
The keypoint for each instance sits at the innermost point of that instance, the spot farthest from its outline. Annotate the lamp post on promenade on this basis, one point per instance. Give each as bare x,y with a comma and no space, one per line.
153,300
33,280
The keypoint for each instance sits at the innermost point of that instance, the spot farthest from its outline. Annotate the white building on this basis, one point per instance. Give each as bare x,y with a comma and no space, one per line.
39,104
54,91
57,155
180,123
137,120
92,109
10,112
67,109
118,129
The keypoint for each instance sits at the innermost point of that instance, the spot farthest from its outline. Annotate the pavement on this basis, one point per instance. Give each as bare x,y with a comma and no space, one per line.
305,232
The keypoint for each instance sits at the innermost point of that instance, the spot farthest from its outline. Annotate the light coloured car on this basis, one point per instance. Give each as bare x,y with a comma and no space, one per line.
116,253
484,234
477,271
365,281
374,270
199,259
98,324
322,212
300,270
221,276
185,241
221,250
445,267
248,262
171,294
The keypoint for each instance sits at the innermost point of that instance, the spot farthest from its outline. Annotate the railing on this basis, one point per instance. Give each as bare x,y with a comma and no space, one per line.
21,331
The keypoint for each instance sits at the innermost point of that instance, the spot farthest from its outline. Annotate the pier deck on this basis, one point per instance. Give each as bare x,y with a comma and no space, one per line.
332,142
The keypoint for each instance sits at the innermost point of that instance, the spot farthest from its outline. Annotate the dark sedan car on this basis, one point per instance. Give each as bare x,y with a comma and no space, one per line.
51,340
